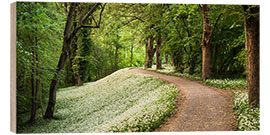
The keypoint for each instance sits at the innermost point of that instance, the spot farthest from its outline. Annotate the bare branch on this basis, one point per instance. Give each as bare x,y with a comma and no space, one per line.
100,15
94,19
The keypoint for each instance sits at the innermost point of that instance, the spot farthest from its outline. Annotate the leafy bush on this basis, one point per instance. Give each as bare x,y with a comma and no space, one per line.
248,117
226,83
122,101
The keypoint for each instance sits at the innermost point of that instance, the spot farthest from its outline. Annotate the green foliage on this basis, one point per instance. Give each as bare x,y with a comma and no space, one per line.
248,117
228,43
120,32
182,38
39,28
230,84
123,101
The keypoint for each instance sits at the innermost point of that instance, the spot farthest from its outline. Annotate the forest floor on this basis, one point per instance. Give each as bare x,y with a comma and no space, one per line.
199,107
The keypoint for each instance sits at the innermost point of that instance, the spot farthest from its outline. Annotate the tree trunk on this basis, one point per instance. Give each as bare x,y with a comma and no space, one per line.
116,57
41,101
252,21
131,55
80,81
66,43
206,45
52,92
166,59
158,59
206,62
34,89
206,40
192,65
72,51
177,61
149,54
68,36
71,56
33,98
38,79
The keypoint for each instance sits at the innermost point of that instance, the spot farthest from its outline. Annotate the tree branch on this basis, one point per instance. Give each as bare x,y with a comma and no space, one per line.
75,30
136,18
90,26
186,26
91,11
213,28
68,23
100,15
129,21
94,19
200,5
185,49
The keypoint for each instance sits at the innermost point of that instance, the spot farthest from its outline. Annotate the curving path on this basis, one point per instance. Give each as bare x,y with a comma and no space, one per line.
199,107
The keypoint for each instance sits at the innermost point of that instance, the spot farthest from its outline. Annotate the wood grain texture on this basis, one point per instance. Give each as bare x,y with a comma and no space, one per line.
13,68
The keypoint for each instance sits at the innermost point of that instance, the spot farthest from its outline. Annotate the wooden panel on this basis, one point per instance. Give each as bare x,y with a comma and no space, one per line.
13,68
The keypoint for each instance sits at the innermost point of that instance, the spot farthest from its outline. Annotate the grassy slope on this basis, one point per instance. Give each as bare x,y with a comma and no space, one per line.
123,101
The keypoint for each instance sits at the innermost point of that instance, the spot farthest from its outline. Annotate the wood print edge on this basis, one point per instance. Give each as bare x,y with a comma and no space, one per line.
13,67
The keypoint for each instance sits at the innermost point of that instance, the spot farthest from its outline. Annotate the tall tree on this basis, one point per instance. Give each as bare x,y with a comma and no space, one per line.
34,51
206,40
35,81
33,98
252,24
150,51
131,55
69,33
158,53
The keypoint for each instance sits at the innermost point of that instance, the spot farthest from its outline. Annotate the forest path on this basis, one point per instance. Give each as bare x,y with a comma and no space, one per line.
199,107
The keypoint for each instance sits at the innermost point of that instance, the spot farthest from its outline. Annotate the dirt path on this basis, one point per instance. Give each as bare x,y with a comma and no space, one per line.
203,108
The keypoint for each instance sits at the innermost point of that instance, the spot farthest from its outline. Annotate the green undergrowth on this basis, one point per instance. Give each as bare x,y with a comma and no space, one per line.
227,84
230,84
169,70
248,118
124,101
